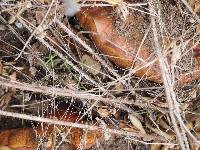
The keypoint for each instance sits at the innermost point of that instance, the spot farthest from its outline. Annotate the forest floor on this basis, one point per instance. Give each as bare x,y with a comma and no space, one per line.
99,74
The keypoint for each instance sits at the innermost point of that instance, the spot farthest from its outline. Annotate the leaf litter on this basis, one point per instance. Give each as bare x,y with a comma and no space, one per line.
135,113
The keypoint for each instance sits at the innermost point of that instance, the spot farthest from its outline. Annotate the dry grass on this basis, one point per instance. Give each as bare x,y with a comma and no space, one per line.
99,91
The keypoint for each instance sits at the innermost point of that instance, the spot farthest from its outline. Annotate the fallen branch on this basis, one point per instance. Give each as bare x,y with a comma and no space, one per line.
58,91
170,94
78,125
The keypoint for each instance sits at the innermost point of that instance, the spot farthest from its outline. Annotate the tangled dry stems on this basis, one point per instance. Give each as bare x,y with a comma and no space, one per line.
174,110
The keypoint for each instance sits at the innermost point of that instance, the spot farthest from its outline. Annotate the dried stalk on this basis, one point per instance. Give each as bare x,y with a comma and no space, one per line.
77,125
170,94
22,40
190,9
77,94
36,30
87,47
59,92
68,62
69,55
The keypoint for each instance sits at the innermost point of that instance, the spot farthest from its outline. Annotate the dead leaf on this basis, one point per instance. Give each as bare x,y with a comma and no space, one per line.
13,76
163,124
136,122
116,47
106,38
195,4
118,88
43,1
161,133
121,50
156,147
176,53
76,134
17,138
28,138
103,112
90,137
5,99
1,68
93,66
114,2
198,29
127,127
5,148
39,15
165,147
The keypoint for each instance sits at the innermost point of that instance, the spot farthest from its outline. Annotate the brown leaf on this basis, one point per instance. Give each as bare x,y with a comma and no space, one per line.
17,138
116,47
114,2
105,35
1,68
122,50
118,88
156,147
5,148
198,29
93,66
5,99
195,4
43,1
77,135
161,133
103,112
13,76
27,138
136,122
